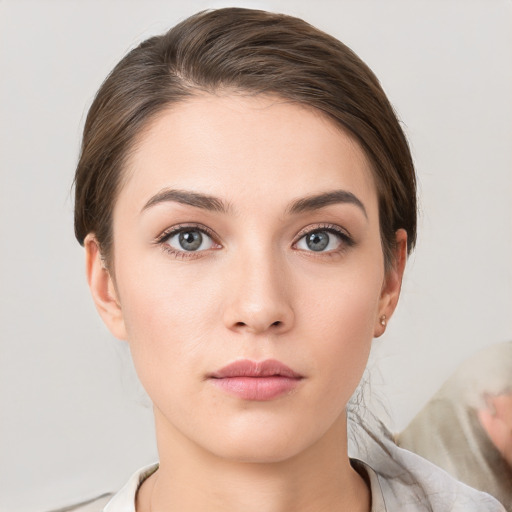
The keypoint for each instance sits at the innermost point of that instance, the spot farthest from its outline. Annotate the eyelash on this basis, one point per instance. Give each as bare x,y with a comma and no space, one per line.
345,239
183,228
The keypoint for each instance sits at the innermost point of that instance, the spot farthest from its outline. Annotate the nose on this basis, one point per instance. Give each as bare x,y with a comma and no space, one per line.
258,296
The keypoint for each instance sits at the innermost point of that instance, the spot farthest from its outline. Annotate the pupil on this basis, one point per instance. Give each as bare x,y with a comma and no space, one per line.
317,241
190,240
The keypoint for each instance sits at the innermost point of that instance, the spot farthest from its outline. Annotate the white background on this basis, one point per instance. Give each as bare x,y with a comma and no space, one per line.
73,422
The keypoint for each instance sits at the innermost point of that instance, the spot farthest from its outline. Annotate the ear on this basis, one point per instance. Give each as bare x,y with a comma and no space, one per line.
102,288
392,285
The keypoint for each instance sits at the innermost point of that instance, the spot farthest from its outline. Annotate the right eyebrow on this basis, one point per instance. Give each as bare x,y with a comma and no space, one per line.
196,199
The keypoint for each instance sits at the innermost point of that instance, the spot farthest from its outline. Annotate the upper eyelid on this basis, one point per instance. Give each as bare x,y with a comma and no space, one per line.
322,227
173,230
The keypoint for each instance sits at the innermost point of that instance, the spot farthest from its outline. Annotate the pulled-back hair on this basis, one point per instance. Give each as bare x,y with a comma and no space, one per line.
248,51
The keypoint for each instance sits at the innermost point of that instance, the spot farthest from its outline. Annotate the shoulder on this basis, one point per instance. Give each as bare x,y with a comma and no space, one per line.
122,501
405,481
94,505
409,480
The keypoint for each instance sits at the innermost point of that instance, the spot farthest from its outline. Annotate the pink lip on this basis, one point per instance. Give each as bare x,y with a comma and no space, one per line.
252,380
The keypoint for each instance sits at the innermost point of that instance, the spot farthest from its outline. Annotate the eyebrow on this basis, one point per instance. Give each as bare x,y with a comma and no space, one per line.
196,199
212,203
319,201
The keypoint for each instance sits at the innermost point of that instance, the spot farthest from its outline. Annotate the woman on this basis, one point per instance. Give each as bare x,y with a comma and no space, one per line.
246,199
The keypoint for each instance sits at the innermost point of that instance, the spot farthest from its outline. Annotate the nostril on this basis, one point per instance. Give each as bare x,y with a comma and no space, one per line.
243,325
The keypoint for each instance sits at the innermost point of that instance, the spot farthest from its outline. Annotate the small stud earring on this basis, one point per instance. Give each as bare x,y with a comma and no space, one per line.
383,320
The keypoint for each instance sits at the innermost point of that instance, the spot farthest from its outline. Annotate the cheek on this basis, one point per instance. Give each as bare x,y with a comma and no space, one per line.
338,320
348,326
344,302
168,320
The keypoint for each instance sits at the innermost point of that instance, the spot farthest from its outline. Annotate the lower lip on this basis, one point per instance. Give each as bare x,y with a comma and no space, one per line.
257,388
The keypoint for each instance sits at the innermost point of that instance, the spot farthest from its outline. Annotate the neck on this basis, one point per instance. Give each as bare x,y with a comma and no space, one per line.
192,479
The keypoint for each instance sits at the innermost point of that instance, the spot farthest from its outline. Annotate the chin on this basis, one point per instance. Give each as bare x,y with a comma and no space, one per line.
262,442
259,451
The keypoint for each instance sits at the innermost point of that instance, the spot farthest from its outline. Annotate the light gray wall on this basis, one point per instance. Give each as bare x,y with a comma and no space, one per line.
73,421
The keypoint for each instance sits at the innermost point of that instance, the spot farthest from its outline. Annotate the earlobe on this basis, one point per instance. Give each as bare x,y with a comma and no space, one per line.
392,284
102,288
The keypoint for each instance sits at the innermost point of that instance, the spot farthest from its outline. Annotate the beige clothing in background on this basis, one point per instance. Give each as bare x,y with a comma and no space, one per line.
447,430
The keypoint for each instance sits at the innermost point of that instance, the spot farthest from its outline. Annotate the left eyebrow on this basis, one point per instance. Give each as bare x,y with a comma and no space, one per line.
318,201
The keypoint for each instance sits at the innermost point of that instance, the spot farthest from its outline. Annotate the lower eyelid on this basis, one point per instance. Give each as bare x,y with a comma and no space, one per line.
180,255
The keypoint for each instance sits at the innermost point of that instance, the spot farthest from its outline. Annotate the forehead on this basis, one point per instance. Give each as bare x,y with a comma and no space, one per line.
240,146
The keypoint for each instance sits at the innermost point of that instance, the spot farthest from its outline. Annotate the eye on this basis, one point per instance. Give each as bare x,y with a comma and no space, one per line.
323,240
189,239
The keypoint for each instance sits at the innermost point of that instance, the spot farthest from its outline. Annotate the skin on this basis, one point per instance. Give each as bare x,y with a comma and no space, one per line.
257,291
497,422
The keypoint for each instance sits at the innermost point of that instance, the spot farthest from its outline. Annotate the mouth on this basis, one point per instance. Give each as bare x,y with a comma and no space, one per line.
256,380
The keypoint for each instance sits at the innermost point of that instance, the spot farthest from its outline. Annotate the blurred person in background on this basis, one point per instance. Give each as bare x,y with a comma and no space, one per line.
466,428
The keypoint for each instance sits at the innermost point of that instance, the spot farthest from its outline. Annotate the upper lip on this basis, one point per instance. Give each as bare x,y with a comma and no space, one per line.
248,368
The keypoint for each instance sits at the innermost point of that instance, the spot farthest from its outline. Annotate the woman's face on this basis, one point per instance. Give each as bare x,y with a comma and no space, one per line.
247,232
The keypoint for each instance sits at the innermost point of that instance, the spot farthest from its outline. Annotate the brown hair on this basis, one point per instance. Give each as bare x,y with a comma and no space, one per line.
251,51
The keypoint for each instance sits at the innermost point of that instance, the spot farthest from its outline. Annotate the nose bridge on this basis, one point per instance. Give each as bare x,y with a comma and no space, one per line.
259,296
